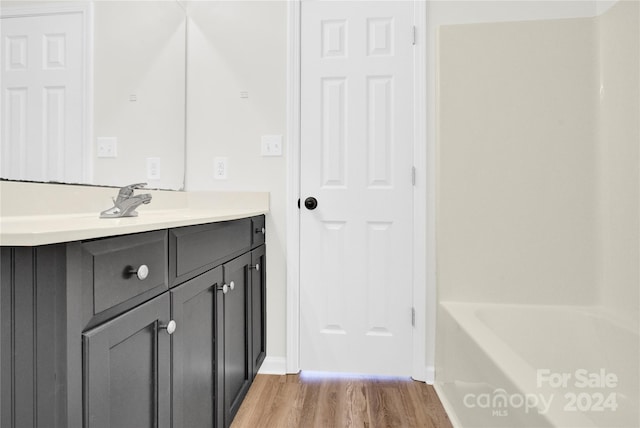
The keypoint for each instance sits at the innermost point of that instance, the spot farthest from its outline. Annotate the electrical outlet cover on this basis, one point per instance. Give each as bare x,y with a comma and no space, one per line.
153,168
220,168
271,145
107,147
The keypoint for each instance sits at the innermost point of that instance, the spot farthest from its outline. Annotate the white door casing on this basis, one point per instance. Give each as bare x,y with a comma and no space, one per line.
357,130
43,99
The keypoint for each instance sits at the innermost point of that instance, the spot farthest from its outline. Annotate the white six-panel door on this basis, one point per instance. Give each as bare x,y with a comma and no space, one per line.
42,97
356,161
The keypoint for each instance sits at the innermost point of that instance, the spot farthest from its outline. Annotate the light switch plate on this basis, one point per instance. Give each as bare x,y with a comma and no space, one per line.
107,147
271,145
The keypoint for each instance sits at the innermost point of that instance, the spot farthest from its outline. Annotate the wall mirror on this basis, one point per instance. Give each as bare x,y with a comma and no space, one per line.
93,92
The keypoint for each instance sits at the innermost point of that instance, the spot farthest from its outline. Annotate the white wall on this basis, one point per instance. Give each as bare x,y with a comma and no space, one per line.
234,47
139,50
618,155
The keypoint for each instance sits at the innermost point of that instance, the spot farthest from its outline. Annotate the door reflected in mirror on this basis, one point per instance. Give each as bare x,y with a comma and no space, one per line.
94,92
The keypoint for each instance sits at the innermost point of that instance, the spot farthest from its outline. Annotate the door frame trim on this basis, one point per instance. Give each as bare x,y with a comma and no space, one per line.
424,284
293,187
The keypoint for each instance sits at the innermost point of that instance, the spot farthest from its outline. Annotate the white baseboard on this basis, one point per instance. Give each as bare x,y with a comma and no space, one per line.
430,375
448,407
273,366
426,374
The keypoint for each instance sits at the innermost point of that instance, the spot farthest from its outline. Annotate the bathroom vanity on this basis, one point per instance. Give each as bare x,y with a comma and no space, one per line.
163,327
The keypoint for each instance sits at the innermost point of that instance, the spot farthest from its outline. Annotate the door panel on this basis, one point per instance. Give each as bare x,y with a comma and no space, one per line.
193,310
127,380
237,334
356,159
131,371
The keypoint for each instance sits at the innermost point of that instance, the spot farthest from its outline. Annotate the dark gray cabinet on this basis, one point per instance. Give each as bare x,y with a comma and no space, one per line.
258,307
234,335
108,280
193,307
194,250
33,363
84,339
126,369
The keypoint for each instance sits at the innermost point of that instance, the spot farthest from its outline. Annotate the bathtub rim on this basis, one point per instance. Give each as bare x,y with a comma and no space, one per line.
511,364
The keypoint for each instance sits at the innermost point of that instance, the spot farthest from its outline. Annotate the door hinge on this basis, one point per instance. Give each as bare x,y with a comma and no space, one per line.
414,35
413,175
413,317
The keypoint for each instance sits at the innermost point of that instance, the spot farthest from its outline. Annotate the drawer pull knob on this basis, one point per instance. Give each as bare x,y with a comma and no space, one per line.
256,266
142,272
232,285
170,326
224,288
260,230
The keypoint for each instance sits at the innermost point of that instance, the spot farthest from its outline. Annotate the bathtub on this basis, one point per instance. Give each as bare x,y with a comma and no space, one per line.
536,366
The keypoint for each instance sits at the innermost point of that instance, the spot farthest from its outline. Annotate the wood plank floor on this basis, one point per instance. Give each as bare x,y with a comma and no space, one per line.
295,401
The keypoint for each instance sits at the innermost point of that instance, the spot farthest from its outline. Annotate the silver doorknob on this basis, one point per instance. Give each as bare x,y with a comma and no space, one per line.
232,285
256,266
224,288
142,272
170,326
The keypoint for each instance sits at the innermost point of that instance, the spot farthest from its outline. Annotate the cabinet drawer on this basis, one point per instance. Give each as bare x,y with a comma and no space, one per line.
196,249
110,265
258,230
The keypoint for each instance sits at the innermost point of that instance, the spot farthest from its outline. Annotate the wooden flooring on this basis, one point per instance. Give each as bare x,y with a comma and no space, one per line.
295,401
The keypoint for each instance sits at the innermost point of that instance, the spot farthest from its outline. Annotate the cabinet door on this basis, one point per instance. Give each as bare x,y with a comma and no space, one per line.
126,364
193,310
258,308
235,331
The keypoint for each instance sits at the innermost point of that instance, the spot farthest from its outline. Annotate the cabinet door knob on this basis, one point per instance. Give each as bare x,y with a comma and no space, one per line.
170,326
142,272
232,285
260,230
224,288
256,266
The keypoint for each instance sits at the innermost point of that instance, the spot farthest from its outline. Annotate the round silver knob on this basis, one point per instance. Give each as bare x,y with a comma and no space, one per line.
232,285
256,266
263,231
142,272
170,327
224,288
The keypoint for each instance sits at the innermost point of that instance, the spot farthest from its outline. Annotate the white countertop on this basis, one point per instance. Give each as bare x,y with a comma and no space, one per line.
51,229
29,225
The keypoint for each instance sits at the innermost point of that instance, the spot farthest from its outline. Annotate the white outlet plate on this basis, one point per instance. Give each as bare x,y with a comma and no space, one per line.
107,147
271,145
153,168
220,168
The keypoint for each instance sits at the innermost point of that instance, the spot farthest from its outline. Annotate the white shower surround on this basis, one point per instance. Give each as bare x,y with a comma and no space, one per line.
538,233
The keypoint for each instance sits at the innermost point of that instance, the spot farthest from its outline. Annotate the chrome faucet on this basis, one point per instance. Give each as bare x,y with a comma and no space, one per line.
126,203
